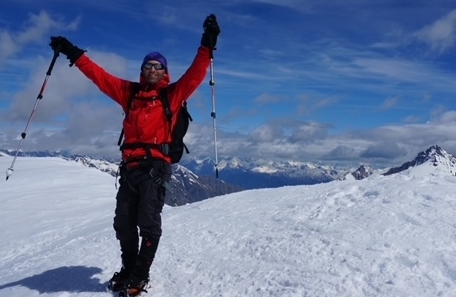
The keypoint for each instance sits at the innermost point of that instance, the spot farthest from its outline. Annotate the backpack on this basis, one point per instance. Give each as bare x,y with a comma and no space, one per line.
176,148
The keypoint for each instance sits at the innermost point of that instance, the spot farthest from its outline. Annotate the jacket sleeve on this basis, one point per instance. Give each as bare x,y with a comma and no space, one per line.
116,88
191,79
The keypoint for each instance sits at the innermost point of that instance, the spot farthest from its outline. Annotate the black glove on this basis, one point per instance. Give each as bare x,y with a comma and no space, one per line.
211,32
71,51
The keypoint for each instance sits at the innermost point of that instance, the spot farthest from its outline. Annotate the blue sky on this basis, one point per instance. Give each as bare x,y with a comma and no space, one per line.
356,81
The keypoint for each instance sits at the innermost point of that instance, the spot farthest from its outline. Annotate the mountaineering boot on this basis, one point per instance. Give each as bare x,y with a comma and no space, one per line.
139,277
134,287
129,249
118,280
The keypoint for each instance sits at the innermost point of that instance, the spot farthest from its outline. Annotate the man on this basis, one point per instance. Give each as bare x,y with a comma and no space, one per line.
145,169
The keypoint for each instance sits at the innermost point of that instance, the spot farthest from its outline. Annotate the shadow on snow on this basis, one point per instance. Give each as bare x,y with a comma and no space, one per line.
63,279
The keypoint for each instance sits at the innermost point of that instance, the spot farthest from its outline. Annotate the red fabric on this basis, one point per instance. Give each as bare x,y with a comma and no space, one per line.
146,120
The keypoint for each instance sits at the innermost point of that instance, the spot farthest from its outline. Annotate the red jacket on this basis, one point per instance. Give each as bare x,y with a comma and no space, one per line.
146,121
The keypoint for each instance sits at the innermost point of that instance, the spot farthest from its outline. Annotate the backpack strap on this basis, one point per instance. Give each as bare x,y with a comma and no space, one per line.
169,116
165,103
135,87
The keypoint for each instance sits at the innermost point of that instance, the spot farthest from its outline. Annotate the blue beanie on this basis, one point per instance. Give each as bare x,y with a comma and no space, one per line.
157,57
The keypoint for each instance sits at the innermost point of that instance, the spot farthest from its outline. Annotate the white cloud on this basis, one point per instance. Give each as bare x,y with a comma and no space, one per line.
266,133
35,30
267,98
309,132
441,35
445,117
7,46
390,103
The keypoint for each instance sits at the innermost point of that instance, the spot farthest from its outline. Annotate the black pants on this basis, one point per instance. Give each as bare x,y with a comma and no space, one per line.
140,201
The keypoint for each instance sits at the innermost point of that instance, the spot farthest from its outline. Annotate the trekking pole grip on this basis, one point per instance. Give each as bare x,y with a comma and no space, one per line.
54,58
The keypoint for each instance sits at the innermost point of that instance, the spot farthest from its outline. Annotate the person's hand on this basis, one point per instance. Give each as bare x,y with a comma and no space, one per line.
61,44
211,32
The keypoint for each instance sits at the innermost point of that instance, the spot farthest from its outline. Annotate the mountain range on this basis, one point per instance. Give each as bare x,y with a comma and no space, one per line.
257,173
194,179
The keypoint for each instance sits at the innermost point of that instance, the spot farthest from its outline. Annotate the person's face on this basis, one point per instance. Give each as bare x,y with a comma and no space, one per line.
153,71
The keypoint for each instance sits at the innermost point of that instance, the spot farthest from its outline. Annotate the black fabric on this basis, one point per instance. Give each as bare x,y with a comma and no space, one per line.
140,200
145,258
211,32
129,253
64,46
118,281
176,147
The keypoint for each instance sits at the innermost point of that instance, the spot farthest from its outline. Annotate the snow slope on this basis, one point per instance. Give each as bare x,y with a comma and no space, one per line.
381,236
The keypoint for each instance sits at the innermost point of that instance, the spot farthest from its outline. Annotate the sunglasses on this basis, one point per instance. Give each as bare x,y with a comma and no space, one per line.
156,66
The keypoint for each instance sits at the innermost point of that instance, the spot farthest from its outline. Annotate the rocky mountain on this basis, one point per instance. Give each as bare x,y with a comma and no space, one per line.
187,187
362,172
434,156
256,173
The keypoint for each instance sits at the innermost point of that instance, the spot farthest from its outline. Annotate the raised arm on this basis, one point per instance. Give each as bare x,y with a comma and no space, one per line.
116,88
197,71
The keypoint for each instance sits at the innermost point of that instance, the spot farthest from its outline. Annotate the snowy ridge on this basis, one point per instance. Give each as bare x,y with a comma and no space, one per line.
187,187
102,165
362,172
383,236
184,173
433,157
257,173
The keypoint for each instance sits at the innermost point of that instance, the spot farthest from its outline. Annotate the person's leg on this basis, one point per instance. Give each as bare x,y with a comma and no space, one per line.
149,222
151,201
125,224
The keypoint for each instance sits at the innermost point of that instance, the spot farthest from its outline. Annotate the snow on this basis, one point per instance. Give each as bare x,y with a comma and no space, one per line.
382,236
264,169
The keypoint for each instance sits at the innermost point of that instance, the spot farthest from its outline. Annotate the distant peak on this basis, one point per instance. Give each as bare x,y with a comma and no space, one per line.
362,172
430,154
434,155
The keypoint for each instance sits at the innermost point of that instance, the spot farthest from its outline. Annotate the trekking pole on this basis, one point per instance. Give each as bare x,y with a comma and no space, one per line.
10,170
214,124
